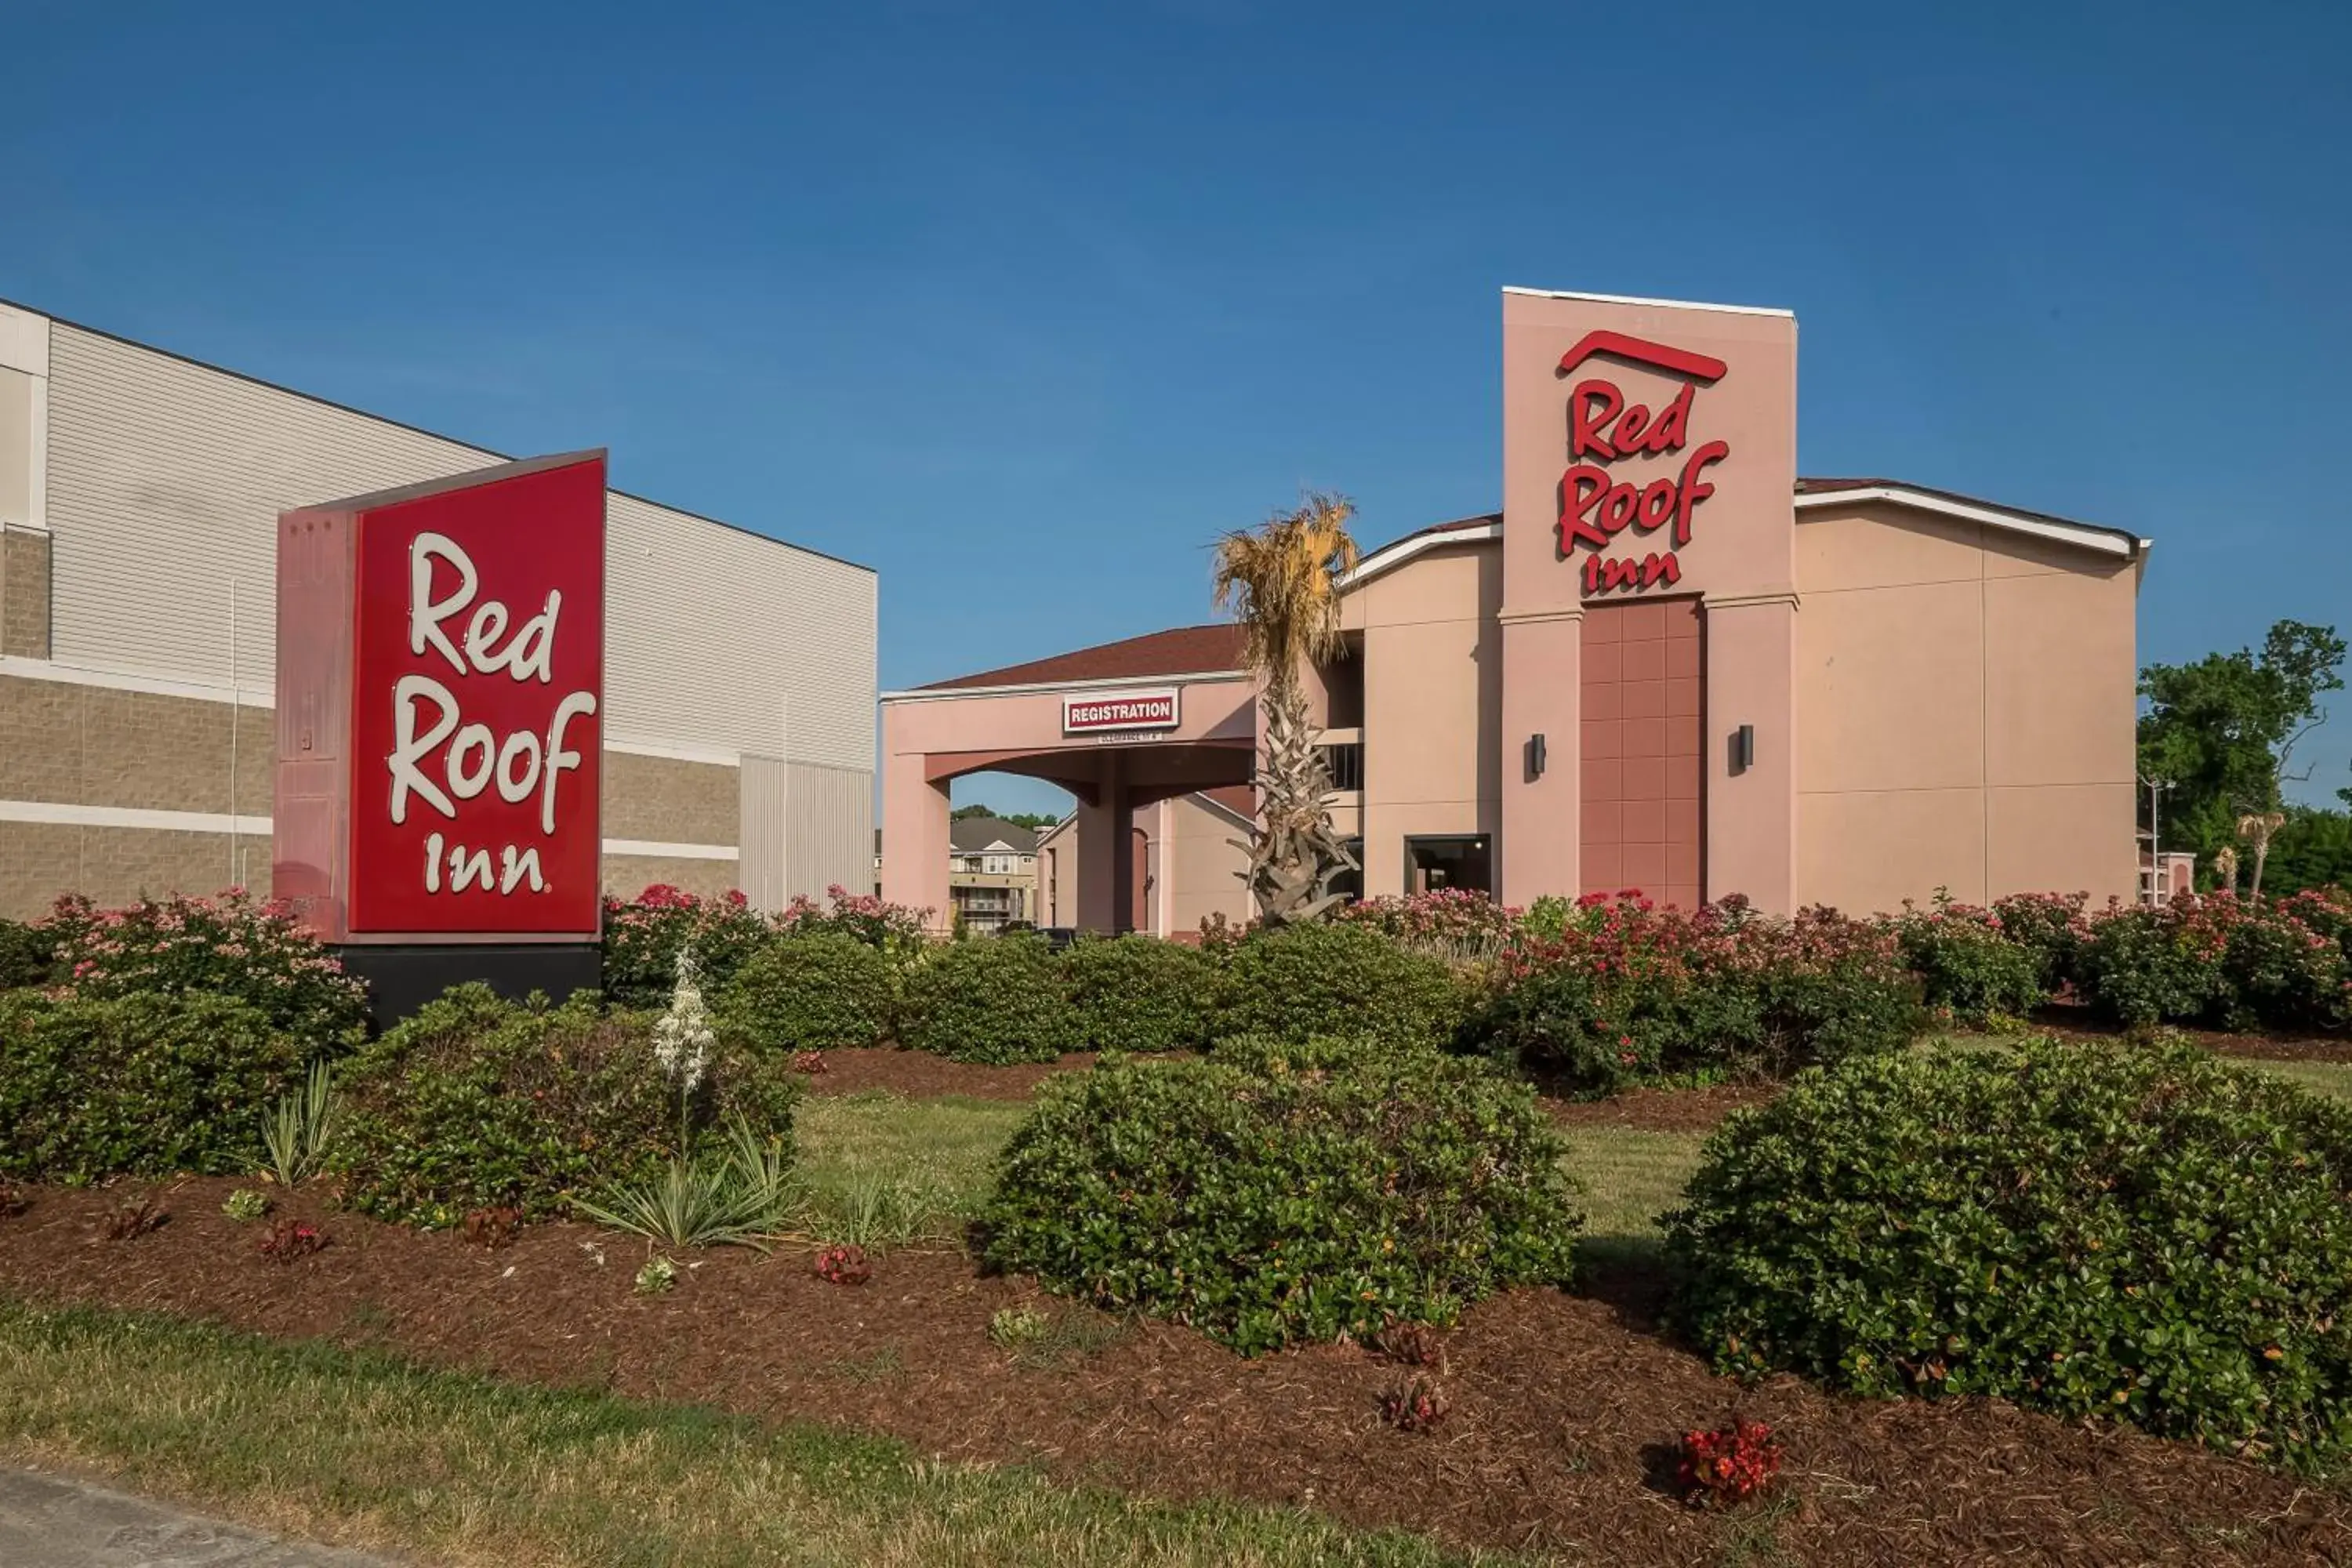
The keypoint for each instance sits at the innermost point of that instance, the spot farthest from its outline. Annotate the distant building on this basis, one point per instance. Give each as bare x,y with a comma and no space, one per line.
991,873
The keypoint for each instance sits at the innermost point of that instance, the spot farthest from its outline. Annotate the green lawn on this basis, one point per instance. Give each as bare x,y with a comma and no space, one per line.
1631,1177
883,1171
364,1450
2331,1079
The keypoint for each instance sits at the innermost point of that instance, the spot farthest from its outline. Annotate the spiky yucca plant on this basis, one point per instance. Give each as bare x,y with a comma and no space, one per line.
1281,581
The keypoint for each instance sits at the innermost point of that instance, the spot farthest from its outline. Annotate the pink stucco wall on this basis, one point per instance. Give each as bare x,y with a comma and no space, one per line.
1739,561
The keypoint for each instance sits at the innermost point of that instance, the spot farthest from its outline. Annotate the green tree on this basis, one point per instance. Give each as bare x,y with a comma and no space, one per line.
2222,731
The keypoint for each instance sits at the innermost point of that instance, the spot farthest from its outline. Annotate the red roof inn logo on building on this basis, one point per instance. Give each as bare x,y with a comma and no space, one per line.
445,647
1605,428
1114,710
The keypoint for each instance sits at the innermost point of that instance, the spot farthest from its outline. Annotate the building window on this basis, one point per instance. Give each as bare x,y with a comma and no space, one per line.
1436,862
1343,686
1346,765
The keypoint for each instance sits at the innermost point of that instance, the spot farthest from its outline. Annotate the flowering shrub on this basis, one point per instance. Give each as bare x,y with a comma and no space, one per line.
1966,964
895,929
147,1084
1629,993
1414,1404
656,1278
2223,962
291,1238
1338,979
228,947
812,993
1264,1210
2049,927
1140,992
844,1263
477,1102
644,937
1452,923
244,1206
999,1000
1725,1468
2144,1233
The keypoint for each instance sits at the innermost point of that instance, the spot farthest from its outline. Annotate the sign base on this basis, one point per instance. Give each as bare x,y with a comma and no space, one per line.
402,977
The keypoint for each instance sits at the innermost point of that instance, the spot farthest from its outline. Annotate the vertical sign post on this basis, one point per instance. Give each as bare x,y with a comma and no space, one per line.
440,729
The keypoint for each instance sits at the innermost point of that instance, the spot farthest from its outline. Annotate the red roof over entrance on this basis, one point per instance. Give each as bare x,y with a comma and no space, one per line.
1182,650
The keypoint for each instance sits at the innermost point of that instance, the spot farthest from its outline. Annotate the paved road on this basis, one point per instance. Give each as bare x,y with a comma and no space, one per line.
47,1522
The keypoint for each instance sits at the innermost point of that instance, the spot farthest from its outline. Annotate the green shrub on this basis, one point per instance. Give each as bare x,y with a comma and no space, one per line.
142,1085
1306,980
2142,1234
1275,1054
229,946
27,954
1966,964
1140,992
814,992
997,1001
1264,1210
478,1103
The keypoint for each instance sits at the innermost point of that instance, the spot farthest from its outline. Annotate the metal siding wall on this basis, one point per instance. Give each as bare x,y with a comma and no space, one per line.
761,848
165,482
722,636
829,830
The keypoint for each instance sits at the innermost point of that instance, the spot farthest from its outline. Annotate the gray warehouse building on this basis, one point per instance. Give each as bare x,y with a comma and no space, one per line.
139,501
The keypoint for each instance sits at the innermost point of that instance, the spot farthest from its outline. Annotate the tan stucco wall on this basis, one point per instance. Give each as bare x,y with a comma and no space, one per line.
15,446
1433,702
1965,712
1200,867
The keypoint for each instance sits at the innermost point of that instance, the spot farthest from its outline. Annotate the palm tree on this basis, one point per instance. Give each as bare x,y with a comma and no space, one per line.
1281,581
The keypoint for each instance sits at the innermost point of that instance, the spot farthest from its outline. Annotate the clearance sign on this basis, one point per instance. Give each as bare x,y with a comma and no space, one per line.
448,644
1112,711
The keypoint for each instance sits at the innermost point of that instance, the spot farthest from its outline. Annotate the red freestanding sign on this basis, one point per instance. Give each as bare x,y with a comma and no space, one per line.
440,708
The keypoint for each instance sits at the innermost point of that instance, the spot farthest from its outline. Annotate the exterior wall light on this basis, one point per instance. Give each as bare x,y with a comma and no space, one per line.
1535,756
1743,748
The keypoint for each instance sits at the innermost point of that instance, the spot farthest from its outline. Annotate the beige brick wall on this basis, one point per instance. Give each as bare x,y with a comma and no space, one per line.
669,801
67,743
24,593
94,745
626,875
115,865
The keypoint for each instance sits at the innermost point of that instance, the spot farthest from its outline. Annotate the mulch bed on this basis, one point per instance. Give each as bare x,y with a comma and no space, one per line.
1561,1406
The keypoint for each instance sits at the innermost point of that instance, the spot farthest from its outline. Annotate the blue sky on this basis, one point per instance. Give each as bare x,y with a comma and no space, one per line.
1021,305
